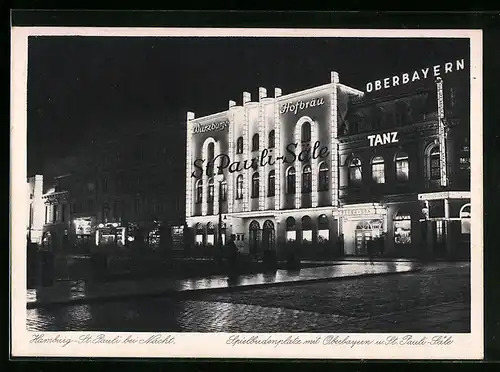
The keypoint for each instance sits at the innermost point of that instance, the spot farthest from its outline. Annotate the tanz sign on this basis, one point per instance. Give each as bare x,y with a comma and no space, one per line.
383,139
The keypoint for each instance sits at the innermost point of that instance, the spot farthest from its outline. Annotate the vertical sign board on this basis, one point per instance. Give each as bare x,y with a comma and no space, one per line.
442,133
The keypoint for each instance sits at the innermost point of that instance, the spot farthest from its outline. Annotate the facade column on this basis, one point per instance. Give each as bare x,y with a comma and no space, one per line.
447,229
246,151
215,202
230,176
314,167
277,148
189,179
298,168
334,153
262,145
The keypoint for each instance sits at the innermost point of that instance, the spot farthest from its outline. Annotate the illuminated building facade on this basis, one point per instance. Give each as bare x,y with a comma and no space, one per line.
332,163
36,209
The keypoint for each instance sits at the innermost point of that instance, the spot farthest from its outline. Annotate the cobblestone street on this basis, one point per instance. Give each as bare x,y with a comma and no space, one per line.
436,299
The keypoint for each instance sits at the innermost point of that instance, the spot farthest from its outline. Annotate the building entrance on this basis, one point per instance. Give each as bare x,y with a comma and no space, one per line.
254,238
364,232
268,236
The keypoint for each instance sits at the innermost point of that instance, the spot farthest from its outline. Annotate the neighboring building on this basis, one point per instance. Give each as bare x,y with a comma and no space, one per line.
36,209
330,162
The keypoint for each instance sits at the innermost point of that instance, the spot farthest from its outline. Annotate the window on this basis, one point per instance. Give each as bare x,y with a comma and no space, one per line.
210,158
271,139
210,197
306,179
239,187
435,164
402,167
306,229
323,229
239,145
255,142
199,191
355,175
271,182
105,184
378,169
223,191
291,234
306,132
255,185
290,181
402,228
323,177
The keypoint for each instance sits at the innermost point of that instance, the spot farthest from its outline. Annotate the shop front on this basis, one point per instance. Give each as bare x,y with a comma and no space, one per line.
84,234
110,234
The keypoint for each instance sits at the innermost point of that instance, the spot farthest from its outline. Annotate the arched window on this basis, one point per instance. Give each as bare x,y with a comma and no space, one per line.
290,180
306,179
402,167
355,174
306,229
271,139
435,163
199,234
239,145
291,234
210,158
378,173
323,177
255,142
323,229
223,191
210,198
199,191
210,234
255,185
239,187
271,182
306,132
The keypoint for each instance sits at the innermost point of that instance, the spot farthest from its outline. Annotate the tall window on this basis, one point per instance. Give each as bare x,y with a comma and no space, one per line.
290,181
223,191
210,198
199,191
306,132
355,174
306,179
306,229
378,169
291,233
435,164
255,142
271,183
402,167
239,187
271,139
239,145
210,158
323,229
255,185
323,177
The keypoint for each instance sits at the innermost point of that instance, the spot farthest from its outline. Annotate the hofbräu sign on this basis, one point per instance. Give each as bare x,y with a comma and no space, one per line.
296,106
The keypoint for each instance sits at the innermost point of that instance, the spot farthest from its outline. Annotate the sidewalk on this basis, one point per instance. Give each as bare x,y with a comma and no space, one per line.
68,292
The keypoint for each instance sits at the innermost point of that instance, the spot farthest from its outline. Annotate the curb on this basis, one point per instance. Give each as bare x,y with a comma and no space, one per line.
191,292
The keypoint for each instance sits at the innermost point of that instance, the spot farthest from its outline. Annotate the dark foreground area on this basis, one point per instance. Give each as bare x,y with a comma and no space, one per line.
436,299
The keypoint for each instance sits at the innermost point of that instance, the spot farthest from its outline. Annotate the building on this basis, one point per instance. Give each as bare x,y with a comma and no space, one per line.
36,209
328,164
116,188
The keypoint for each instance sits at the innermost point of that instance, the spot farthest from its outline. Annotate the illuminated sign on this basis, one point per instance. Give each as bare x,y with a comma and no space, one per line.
383,139
442,133
297,106
416,75
217,126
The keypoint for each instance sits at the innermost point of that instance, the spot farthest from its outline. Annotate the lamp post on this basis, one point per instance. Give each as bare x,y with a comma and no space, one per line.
219,178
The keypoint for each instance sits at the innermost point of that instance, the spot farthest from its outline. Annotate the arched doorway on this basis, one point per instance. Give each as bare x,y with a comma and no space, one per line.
362,235
254,237
268,236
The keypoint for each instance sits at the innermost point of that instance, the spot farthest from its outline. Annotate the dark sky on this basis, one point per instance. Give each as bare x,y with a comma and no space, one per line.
78,84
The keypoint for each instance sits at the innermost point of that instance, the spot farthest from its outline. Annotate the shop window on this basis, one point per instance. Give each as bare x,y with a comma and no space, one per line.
323,177
306,229
239,145
291,234
306,132
239,187
355,173
223,191
255,185
306,179
199,191
402,228
210,234
271,139
402,167
323,229
210,191
290,180
255,142
465,219
435,163
271,182
378,173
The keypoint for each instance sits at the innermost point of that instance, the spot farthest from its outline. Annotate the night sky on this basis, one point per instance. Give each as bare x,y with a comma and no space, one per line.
80,84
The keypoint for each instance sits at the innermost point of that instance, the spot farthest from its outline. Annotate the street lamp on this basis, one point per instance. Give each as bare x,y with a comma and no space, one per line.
219,178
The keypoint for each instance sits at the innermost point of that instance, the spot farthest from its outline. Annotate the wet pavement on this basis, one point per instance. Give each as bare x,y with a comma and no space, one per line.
84,291
435,299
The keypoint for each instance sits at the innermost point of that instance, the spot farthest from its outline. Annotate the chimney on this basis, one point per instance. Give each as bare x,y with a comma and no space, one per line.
246,97
262,93
232,103
277,92
334,76
190,115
